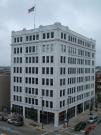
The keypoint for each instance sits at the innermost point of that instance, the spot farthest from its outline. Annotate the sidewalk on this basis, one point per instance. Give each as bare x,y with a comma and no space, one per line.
48,128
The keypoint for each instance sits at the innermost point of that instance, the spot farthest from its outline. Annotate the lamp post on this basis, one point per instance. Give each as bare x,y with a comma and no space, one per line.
67,112
42,110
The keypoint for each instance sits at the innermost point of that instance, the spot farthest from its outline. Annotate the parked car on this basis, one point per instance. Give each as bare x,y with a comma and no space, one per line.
92,119
11,120
17,121
80,126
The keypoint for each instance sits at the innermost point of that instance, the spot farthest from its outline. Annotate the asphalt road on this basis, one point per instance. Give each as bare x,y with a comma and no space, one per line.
96,131
8,129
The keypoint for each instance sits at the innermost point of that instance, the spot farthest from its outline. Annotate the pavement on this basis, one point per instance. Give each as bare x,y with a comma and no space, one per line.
73,121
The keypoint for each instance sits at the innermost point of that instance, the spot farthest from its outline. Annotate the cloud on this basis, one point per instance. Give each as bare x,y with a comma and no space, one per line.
82,16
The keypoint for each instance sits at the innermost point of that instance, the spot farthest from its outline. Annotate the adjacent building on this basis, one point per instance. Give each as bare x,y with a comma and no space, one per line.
4,88
52,73
98,80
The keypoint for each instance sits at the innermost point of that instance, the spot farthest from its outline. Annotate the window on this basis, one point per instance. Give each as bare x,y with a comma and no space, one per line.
26,38
33,49
17,50
43,103
43,59
51,93
30,38
29,80
36,80
60,93
61,35
30,49
30,70
37,37
51,82
47,59
36,101
43,81
51,104
60,103
47,35
43,70
21,39
20,49
47,92
52,59
26,49
29,59
26,59
46,103
47,70
33,37
14,50
44,36
52,34
36,70
51,70
14,40
17,39
20,59
43,92
36,91
47,81
64,36
36,59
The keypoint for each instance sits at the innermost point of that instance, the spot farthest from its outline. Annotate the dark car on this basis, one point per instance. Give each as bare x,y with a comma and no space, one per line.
80,126
3,117
18,123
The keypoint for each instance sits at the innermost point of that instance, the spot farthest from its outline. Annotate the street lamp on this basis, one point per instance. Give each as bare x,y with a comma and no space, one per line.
67,112
42,110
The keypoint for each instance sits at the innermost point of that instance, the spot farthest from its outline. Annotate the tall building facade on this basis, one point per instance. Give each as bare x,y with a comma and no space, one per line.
52,73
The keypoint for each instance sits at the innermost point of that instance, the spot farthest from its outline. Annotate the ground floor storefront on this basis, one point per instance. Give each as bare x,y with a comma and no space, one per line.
54,118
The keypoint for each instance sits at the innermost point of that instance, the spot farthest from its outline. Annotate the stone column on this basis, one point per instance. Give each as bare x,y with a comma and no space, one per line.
75,110
56,119
38,116
83,106
24,112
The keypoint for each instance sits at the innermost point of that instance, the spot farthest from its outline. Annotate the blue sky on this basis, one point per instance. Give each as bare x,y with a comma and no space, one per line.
82,16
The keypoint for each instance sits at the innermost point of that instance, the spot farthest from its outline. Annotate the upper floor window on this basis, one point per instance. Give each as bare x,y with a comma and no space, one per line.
52,34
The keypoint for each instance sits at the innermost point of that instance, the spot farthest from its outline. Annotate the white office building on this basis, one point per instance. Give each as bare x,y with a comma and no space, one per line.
52,73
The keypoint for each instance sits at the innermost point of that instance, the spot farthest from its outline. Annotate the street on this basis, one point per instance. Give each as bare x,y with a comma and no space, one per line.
8,129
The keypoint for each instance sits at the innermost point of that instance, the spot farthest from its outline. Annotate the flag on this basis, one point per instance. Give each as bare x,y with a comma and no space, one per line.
31,9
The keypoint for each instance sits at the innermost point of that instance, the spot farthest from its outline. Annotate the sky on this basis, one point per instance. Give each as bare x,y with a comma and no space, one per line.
82,16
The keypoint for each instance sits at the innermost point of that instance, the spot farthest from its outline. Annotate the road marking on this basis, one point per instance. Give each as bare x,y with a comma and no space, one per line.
9,129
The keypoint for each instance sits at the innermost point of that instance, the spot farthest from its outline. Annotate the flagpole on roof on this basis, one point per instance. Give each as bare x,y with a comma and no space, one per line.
33,9
34,16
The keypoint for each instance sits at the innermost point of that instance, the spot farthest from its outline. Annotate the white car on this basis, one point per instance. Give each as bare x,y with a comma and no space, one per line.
11,120
92,119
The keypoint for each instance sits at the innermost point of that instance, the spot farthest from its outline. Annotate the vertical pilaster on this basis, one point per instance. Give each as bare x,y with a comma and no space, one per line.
24,112
56,119
38,116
